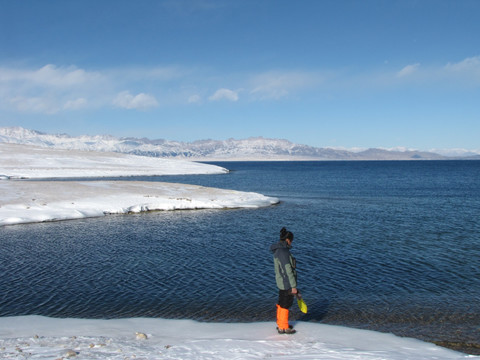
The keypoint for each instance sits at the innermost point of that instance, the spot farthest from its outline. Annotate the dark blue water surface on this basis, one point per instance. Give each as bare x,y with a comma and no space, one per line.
390,246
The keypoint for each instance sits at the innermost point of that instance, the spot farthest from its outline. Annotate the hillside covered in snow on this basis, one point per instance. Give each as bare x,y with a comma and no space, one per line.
257,148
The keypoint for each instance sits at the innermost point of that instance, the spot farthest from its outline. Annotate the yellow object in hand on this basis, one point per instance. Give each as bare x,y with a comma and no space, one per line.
301,305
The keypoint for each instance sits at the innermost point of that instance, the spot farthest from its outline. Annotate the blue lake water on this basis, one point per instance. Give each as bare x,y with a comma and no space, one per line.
389,246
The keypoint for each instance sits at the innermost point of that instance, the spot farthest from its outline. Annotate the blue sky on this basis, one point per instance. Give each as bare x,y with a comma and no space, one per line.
334,73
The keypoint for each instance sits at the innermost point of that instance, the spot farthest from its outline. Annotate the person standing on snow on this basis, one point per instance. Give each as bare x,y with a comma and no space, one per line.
286,278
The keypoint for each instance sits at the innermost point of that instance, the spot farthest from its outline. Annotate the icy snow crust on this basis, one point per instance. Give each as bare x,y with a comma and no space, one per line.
37,201
28,201
36,337
31,162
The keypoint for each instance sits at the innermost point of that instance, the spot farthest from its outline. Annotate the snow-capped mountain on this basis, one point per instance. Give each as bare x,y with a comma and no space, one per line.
257,148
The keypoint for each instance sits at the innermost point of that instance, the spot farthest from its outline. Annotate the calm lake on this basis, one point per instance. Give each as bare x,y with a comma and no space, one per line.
388,246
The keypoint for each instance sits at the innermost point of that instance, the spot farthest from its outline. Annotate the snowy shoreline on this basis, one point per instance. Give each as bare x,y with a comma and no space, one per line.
38,337
38,201
33,162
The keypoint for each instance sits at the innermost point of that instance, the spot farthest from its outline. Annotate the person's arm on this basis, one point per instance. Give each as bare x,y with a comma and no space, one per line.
284,258
291,277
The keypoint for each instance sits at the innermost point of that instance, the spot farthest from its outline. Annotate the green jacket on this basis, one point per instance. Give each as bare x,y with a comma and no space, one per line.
284,263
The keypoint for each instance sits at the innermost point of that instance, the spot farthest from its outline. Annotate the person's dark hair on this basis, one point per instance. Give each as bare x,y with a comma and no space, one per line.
284,235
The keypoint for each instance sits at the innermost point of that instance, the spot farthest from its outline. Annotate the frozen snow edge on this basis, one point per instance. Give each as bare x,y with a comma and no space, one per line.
32,162
39,337
39,201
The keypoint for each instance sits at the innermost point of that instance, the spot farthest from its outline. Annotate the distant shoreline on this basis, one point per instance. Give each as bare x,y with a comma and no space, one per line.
250,149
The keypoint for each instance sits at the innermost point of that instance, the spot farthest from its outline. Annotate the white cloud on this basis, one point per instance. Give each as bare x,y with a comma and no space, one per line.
52,89
38,104
62,77
194,99
140,101
465,72
75,104
469,66
48,76
224,94
49,89
275,85
408,70
157,73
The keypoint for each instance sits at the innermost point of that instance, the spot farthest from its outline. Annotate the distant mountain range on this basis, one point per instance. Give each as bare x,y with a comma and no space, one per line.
257,148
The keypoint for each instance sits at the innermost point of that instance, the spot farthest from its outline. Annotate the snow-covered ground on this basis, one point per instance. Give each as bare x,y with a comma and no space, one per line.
36,337
34,201
24,161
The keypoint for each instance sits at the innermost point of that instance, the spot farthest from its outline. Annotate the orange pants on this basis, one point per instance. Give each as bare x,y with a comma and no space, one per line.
282,318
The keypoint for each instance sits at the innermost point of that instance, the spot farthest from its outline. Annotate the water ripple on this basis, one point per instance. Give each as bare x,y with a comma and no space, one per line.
391,247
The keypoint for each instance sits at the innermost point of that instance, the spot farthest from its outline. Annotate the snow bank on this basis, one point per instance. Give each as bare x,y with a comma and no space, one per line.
23,161
36,201
37,337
